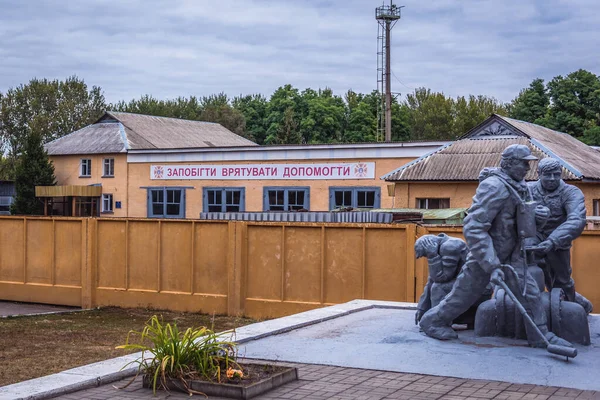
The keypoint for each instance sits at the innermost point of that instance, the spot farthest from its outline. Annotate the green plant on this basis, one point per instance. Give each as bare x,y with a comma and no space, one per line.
168,354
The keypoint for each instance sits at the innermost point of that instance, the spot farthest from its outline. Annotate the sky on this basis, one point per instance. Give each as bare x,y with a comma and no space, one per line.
200,47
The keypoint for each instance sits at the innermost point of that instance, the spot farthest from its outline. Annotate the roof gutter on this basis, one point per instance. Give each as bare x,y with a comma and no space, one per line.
566,166
405,166
290,147
124,136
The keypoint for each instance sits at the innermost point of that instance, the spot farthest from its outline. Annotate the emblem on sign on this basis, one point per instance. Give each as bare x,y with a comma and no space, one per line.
361,170
158,172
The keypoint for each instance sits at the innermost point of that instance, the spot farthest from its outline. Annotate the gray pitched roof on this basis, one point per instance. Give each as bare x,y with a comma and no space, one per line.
117,132
481,147
577,155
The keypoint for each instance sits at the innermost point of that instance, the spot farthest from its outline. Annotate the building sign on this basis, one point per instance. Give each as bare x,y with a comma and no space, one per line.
361,170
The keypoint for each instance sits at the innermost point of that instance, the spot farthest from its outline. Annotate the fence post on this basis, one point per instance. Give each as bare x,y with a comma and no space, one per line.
411,236
88,275
236,259
421,273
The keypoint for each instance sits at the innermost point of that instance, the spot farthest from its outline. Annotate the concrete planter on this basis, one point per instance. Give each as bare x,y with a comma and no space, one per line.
234,391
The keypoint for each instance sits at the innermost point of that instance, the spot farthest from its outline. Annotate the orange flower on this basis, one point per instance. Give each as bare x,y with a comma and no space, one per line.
234,373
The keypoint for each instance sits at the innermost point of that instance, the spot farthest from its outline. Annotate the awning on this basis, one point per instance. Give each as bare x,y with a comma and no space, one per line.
68,190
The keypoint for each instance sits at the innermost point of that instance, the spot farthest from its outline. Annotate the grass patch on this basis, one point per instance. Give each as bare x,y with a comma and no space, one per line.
31,347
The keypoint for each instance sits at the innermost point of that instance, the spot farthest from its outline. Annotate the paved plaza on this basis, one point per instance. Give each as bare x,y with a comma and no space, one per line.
363,350
337,383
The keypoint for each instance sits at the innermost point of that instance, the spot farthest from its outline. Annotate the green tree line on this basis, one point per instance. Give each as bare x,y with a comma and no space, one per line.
53,108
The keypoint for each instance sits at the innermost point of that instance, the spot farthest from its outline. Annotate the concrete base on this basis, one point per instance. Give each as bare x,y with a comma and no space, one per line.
387,339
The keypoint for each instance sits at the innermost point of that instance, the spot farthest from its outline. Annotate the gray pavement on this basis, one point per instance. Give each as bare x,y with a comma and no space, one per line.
12,309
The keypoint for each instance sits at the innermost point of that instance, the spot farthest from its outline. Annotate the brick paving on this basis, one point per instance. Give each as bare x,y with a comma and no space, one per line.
320,382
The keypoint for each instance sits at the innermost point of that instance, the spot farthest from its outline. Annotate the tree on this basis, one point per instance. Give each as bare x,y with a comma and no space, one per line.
431,115
181,107
5,167
401,129
216,108
283,116
470,113
575,104
254,110
361,111
324,117
33,169
50,109
362,124
532,103
287,130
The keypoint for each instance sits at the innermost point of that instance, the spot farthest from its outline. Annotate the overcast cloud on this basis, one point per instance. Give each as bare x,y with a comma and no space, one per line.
199,47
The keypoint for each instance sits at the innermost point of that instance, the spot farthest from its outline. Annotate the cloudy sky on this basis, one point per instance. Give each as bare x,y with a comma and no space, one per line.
199,47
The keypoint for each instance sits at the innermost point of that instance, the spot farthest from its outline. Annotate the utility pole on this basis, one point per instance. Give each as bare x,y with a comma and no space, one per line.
386,16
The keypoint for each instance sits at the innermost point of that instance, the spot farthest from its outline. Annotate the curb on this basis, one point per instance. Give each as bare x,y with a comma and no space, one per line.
46,313
85,384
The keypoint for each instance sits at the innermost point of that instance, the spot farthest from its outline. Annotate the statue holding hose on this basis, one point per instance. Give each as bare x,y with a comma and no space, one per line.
495,230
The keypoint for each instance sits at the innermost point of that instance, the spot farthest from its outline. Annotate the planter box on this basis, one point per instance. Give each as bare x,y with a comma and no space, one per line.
234,391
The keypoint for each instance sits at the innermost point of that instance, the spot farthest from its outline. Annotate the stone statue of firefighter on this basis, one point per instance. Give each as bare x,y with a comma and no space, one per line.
445,257
502,218
565,223
549,249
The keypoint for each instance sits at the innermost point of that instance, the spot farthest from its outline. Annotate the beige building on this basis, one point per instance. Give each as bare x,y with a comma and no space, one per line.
130,165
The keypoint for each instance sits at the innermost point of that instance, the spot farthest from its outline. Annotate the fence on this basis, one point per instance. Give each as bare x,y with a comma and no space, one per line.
257,269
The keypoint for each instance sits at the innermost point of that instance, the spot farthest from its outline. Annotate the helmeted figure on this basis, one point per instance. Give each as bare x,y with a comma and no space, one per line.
493,239
445,257
565,223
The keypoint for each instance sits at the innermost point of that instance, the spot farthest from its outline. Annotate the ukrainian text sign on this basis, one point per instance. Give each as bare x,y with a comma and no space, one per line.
359,170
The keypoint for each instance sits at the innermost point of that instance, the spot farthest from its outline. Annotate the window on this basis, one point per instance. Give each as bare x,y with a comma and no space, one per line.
5,202
596,203
107,203
86,168
108,167
166,202
223,199
433,203
355,197
286,198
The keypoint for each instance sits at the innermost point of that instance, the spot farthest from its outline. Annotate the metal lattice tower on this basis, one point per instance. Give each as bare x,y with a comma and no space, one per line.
386,16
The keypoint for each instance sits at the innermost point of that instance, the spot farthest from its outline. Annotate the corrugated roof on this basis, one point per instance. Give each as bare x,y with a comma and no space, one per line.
97,138
117,132
173,133
576,154
463,159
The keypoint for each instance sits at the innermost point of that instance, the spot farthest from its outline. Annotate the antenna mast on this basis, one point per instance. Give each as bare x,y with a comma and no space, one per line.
386,16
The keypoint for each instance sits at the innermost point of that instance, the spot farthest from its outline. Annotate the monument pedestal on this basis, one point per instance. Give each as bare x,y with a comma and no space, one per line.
383,336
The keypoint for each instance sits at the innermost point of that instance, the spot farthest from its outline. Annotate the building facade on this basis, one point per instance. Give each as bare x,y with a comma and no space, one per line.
129,165
137,173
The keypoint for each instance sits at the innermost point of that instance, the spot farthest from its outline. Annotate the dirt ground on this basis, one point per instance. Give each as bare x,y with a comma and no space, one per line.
35,346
